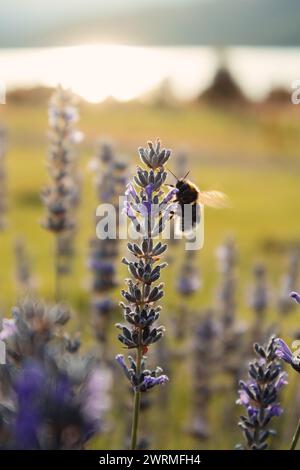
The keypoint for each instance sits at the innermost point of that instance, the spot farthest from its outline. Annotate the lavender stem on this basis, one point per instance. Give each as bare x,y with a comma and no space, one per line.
137,401
296,437
57,272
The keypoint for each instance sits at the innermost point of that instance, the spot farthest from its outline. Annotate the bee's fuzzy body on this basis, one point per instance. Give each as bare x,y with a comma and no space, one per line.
189,194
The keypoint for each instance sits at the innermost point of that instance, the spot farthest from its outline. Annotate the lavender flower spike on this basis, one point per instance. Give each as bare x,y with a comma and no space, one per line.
61,195
147,206
259,396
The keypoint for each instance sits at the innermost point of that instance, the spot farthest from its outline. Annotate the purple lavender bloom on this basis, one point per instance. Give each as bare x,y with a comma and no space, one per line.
283,352
282,381
121,361
104,267
259,395
295,296
188,285
275,410
29,389
8,328
131,191
169,196
143,290
128,211
150,382
97,399
104,306
189,280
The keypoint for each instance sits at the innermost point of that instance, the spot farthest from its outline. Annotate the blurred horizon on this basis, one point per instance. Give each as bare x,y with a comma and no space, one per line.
129,72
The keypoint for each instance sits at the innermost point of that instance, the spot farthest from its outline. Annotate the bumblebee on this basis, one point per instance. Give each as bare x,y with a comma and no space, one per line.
189,194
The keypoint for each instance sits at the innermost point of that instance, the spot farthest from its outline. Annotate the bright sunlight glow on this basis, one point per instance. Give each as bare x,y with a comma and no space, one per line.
97,72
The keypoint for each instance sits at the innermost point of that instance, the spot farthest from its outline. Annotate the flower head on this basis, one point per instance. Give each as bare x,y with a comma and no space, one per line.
61,195
259,395
144,199
8,328
295,296
284,352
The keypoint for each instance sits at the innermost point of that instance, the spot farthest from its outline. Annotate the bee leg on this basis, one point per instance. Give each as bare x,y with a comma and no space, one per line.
172,213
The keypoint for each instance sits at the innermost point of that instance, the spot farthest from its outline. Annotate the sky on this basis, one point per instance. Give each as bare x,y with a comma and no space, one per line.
20,18
39,23
45,7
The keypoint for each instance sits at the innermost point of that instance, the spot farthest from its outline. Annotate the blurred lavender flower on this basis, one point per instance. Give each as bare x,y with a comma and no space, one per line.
110,173
259,395
258,300
150,210
50,397
188,283
8,328
295,296
33,327
110,182
232,331
227,258
59,196
50,413
205,357
23,266
3,149
189,280
288,284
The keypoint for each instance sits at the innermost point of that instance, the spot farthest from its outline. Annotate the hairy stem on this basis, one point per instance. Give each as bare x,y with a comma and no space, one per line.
57,292
136,403
296,437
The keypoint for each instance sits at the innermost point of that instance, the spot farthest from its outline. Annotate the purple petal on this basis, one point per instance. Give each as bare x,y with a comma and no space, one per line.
169,196
295,296
275,410
282,381
150,382
8,328
283,351
128,210
121,361
244,398
252,411
130,191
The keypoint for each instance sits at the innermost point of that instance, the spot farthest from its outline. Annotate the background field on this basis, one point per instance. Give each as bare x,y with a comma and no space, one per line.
251,153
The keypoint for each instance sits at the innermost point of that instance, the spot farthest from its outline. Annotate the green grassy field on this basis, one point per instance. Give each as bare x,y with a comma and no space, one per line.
252,156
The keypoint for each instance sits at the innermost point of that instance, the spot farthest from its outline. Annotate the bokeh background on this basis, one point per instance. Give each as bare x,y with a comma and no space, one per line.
213,79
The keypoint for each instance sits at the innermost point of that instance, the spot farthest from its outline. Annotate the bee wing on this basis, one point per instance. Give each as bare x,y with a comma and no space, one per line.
213,199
